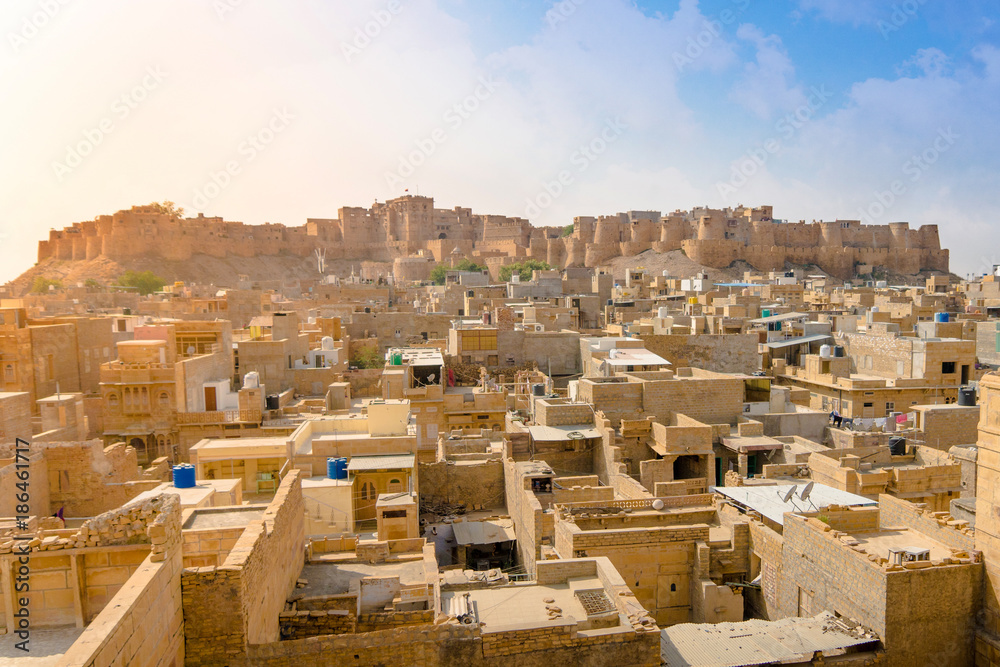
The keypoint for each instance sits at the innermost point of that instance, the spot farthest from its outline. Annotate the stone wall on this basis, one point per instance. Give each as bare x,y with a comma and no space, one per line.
238,603
86,478
474,484
728,353
143,621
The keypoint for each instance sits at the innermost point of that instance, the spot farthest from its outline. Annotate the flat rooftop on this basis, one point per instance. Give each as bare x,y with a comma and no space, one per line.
336,578
519,606
879,543
191,496
222,517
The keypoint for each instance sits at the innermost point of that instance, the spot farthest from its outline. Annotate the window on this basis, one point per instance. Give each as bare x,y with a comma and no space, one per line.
890,407
368,491
868,405
8,373
947,367
164,399
481,417
113,401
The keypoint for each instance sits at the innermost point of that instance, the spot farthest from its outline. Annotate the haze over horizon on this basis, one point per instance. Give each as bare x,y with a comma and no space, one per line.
876,110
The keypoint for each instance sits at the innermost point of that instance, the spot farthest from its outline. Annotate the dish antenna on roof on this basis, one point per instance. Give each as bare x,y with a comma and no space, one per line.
787,495
807,490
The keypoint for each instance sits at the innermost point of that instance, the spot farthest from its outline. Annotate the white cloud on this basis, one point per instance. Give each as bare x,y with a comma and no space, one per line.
767,85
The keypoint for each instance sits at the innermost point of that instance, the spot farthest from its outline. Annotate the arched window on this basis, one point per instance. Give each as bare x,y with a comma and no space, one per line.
368,491
145,398
8,373
164,399
113,401
128,398
395,485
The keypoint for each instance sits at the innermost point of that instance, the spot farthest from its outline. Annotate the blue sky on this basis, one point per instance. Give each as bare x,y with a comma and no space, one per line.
267,112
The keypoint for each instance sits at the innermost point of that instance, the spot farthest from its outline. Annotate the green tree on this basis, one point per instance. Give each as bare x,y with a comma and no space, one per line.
523,268
368,357
41,284
438,272
567,231
90,282
169,208
145,281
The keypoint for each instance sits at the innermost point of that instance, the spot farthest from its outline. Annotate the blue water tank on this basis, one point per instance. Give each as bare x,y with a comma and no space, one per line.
331,468
341,468
940,317
184,476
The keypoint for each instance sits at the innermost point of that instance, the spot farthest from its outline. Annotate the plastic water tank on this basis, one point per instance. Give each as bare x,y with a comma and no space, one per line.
663,312
838,351
825,351
538,389
326,343
967,396
184,476
765,312
251,380
341,468
331,468
272,402
940,317
397,358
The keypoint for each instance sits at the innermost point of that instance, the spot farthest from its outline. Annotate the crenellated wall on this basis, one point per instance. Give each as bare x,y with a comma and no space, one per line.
409,225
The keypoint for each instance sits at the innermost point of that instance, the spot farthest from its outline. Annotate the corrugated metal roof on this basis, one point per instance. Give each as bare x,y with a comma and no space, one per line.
767,499
798,341
484,532
757,642
387,462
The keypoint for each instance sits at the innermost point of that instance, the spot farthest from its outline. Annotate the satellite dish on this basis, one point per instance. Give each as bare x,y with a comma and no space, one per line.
788,494
806,491
430,378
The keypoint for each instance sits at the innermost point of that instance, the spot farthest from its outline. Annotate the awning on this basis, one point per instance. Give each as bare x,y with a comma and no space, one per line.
779,318
484,532
801,340
390,462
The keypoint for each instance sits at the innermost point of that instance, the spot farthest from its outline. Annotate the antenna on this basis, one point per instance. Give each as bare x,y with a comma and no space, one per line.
804,495
320,259
788,494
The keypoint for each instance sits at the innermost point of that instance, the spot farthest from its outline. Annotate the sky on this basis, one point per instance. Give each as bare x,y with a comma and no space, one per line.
257,111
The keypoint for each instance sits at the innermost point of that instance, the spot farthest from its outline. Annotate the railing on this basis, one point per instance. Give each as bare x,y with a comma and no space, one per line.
220,417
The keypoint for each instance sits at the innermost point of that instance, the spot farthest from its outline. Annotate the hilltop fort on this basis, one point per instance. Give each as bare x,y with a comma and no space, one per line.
411,227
